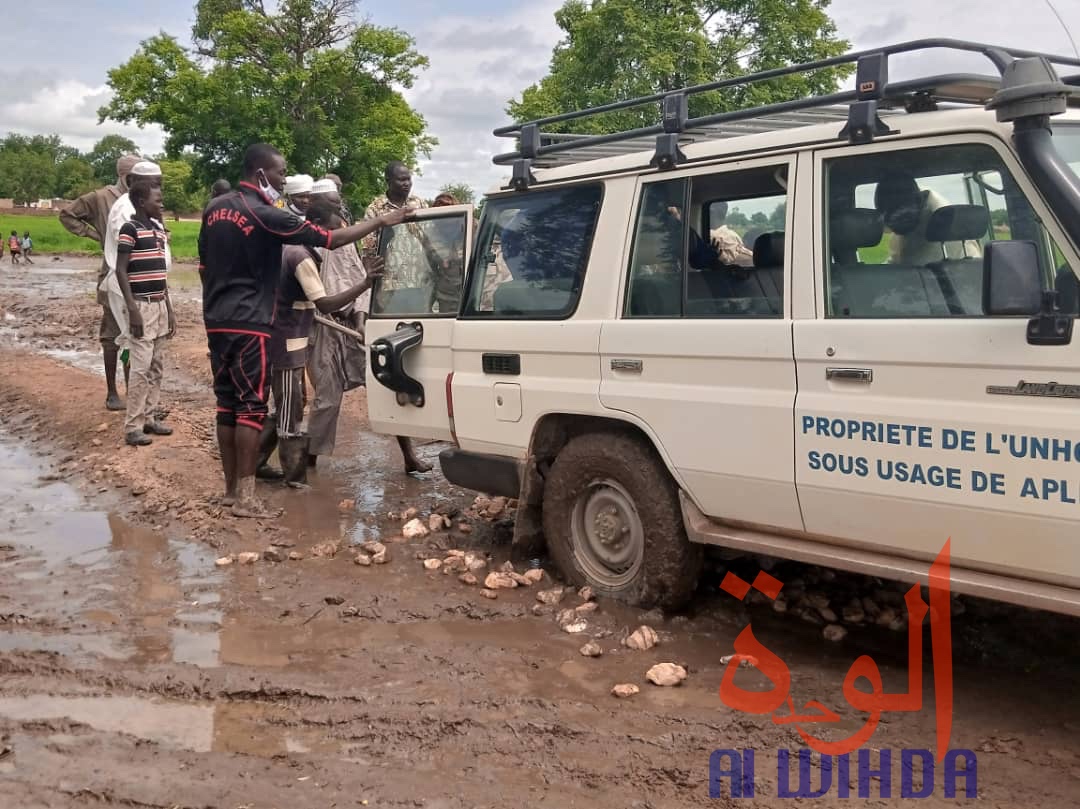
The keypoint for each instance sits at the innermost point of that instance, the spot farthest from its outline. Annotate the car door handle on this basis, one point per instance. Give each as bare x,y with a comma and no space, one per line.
633,366
864,375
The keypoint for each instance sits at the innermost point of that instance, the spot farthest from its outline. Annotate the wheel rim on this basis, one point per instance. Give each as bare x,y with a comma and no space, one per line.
608,537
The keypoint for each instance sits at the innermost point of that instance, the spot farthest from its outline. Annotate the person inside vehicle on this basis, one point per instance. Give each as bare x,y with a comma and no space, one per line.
906,210
660,236
729,246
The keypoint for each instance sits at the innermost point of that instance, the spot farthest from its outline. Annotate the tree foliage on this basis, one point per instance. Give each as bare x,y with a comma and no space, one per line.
305,76
614,50
181,191
463,192
104,155
33,167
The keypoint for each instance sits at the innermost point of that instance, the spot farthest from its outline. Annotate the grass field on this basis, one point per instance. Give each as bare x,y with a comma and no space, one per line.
50,237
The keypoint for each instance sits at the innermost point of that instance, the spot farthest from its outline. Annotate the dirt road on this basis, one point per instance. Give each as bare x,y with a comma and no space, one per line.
134,671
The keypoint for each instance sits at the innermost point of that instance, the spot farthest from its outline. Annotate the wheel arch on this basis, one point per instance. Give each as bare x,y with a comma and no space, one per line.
550,434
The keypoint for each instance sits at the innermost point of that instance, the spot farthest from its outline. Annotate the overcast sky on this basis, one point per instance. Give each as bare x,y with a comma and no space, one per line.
482,53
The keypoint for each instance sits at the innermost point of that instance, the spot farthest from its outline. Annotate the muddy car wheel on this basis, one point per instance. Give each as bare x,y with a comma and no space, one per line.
612,521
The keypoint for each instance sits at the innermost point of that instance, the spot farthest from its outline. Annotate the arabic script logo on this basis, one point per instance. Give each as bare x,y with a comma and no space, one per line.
874,702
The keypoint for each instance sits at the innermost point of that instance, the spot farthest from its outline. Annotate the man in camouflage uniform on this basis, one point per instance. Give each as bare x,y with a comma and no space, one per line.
407,250
88,216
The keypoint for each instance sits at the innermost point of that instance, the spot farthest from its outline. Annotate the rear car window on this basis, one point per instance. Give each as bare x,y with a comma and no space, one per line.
424,266
531,254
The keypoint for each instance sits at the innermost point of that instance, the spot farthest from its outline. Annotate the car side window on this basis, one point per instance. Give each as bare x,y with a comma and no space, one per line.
424,268
531,254
710,246
906,231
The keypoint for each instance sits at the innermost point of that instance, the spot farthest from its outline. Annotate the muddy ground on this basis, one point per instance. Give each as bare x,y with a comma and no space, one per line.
134,671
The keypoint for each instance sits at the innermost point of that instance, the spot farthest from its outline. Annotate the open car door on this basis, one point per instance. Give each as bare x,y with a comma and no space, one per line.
411,322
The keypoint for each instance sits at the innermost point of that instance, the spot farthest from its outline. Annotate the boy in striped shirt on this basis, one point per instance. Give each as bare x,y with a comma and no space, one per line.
141,269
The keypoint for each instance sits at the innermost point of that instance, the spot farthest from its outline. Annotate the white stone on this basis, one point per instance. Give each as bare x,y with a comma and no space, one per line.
834,633
642,639
500,581
666,674
552,596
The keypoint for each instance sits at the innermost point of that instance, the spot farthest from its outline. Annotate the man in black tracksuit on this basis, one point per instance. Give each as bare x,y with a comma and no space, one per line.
240,265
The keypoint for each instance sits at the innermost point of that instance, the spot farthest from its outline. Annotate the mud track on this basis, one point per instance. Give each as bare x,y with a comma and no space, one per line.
135,672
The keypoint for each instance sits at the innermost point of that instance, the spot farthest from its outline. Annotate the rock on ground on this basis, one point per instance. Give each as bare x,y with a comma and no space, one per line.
642,639
666,674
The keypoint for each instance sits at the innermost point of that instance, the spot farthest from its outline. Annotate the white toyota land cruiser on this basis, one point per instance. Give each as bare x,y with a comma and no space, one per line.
837,330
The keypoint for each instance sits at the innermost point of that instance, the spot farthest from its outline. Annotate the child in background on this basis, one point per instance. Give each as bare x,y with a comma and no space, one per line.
27,247
15,246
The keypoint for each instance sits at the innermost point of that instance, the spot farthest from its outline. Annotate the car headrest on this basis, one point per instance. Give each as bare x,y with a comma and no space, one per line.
769,249
957,223
854,228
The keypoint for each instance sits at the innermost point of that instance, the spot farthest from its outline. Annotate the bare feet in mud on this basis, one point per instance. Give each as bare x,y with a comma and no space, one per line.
413,465
247,505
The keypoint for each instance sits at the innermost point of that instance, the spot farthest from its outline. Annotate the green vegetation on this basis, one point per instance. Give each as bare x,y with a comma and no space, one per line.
50,237
615,50
309,76
463,192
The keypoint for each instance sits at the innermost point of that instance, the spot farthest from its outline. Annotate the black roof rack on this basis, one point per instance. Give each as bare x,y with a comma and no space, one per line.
858,108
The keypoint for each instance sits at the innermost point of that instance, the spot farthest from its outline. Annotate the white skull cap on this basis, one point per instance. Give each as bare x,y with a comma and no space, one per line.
298,184
324,187
145,168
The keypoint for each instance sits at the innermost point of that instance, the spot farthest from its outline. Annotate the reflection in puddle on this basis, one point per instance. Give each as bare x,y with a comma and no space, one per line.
228,727
77,358
187,727
197,648
69,645
166,597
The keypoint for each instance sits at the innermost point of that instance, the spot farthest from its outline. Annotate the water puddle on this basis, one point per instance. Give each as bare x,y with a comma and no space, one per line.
176,725
67,644
228,727
77,358
151,599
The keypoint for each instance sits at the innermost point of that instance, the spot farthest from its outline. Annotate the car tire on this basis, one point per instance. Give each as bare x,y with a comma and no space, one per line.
612,520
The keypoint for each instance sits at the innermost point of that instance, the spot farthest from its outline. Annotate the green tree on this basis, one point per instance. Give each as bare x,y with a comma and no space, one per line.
778,218
614,50
737,219
104,155
29,166
180,191
306,76
74,177
462,192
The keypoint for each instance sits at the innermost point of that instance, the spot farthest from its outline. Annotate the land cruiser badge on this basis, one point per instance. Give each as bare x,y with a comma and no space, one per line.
1051,389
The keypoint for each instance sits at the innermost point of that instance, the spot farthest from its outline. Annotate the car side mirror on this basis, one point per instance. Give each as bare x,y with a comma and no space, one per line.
1012,285
1011,282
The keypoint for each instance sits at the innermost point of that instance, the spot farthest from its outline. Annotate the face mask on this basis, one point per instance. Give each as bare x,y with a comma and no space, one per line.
268,190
